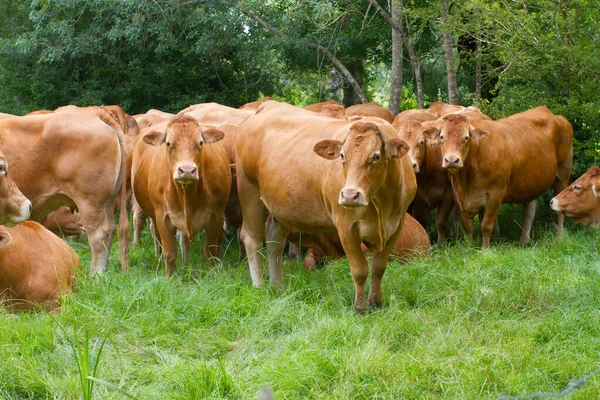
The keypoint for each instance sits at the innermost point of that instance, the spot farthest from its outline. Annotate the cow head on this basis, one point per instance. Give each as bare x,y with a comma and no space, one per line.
5,237
455,134
14,206
364,155
183,139
414,133
581,200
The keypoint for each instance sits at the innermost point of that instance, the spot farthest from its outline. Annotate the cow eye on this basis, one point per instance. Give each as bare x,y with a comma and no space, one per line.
465,138
170,145
421,142
2,170
577,188
342,157
442,137
375,157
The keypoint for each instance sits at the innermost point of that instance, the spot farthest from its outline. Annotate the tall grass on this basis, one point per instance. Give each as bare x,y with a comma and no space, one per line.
460,324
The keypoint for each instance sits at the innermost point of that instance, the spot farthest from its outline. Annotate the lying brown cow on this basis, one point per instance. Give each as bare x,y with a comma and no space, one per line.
14,206
36,266
63,222
512,160
315,174
412,242
181,179
75,157
581,200
370,110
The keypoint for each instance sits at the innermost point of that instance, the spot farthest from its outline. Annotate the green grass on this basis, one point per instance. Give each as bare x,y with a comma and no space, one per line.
460,324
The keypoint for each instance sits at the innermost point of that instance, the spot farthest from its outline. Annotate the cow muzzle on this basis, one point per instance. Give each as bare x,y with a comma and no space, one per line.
186,174
555,206
415,165
352,198
451,162
22,215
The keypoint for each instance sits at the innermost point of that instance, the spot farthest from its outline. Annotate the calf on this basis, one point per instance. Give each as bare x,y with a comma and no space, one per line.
181,179
316,174
581,200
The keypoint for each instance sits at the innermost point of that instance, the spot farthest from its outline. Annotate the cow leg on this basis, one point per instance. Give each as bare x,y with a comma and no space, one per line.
467,224
294,252
241,247
313,258
528,215
155,238
169,243
379,263
358,267
422,213
487,223
139,221
99,225
184,243
276,234
560,184
212,240
456,220
441,220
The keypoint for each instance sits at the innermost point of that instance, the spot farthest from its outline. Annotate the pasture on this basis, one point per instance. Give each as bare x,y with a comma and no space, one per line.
460,324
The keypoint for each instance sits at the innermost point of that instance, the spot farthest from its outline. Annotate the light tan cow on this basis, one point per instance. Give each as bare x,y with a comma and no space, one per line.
316,174
252,106
370,110
318,107
6,116
440,108
418,115
36,266
215,114
181,179
77,158
512,160
581,200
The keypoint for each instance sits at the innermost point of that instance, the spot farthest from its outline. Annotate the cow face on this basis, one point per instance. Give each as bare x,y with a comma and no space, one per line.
14,206
183,139
414,134
364,156
581,200
455,134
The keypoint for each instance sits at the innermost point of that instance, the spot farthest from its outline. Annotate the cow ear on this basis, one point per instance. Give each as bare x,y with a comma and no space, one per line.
431,134
479,133
594,171
3,166
212,135
395,148
155,138
5,237
132,126
596,190
329,149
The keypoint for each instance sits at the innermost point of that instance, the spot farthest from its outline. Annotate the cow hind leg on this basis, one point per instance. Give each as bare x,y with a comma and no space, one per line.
441,220
184,243
253,227
139,221
276,234
155,238
528,215
212,240
99,225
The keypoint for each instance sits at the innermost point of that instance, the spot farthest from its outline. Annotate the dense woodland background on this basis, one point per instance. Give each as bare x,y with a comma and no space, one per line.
505,56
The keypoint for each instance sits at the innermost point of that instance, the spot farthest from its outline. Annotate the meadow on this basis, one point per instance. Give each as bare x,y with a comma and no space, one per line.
460,324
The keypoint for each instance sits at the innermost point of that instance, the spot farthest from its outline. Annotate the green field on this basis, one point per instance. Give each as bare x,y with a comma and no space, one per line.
460,324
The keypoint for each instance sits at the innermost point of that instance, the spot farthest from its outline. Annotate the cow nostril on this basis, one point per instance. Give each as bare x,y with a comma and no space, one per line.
30,208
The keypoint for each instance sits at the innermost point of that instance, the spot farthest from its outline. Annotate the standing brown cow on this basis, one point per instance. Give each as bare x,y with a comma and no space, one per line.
581,200
370,110
75,157
316,174
512,160
181,179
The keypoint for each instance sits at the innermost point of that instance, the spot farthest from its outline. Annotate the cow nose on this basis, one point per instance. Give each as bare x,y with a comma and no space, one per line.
352,198
187,170
350,194
30,208
415,166
186,173
554,204
451,160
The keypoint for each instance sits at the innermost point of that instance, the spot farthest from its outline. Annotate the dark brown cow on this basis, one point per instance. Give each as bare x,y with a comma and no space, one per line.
252,106
412,242
316,174
36,266
77,158
181,179
581,200
370,110
512,160
14,206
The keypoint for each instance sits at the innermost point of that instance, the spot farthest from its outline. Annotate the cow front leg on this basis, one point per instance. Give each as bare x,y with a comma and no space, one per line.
139,221
212,240
276,235
487,224
443,215
169,243
358,267
379,263
467,224
528,215
184,244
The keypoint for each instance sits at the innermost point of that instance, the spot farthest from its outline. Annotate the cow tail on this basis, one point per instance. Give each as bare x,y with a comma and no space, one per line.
121,187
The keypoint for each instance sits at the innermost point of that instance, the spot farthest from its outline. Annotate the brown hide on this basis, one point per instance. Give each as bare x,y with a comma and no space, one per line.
412,242
74,157
215,114
36,266
14,206
316,174
63,222
419,115
370,110
440,108
318,107
6,116
581,200
512,160
182,182
252,106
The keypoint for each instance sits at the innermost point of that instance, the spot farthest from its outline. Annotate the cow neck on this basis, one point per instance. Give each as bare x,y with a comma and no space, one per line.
185,195
460,180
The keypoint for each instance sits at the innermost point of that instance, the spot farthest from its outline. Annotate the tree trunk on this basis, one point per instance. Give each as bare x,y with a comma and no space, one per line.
478,70
351,96
397,59
449,54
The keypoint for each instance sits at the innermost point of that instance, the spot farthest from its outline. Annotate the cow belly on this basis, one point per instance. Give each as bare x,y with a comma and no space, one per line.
305,217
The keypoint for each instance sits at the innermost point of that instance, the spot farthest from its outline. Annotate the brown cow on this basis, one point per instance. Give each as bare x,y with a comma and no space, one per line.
252,106
419,115
440,108
36,266
317,174
14,206
318,107
412,242
215,114
581,200
512,160
63,222
181,179
150,118
370,110
75,157
6,116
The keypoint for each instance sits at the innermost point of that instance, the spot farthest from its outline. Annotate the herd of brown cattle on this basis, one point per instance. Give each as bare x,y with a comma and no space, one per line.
336,181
